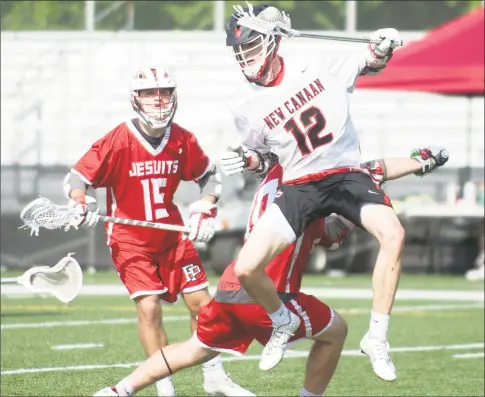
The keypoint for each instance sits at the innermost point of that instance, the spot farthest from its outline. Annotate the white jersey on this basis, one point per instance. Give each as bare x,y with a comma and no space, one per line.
305,119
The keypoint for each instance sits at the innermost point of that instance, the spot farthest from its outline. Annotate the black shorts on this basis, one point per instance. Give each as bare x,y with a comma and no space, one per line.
343,194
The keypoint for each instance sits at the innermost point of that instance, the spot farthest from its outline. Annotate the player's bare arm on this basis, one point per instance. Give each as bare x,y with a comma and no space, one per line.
421,162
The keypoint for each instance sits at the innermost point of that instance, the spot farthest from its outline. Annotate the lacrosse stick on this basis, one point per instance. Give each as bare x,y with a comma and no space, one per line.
44,213
64,280
250,21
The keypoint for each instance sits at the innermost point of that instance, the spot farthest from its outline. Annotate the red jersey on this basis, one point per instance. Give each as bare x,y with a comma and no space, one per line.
141,181
286,270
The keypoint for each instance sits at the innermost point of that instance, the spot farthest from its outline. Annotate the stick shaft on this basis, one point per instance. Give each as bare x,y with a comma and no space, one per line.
153,225
9,280
353,39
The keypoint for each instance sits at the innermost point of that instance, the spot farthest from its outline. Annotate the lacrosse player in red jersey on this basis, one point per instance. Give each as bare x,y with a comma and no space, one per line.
299,109
232,320
141,162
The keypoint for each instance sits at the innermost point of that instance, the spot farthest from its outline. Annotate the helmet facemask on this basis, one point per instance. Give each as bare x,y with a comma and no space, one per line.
254,55
154,96
156,106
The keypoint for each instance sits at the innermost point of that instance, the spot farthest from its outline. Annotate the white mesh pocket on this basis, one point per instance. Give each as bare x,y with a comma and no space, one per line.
64,280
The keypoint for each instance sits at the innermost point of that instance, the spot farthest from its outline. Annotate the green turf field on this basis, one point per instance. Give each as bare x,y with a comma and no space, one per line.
439,345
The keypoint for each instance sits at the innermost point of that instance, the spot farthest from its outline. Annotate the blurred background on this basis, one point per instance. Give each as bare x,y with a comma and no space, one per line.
65,70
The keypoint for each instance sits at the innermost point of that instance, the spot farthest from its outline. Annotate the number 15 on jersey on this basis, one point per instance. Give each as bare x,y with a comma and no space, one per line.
153,197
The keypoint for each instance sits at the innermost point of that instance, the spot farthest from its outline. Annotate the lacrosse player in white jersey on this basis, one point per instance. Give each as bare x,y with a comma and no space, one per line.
298,108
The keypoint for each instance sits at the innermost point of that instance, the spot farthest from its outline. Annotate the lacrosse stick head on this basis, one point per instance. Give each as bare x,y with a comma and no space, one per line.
64,280
254,33
44,213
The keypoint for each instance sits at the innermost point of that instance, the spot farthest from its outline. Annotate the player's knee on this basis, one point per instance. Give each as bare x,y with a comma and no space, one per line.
338,330
341,327
197,300
242,270
394,236
149,310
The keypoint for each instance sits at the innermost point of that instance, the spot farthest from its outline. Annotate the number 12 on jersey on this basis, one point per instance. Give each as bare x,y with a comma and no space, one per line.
313,123
154,186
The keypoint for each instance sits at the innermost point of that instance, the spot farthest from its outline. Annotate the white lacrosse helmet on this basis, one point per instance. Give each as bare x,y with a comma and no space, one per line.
152,110
254,50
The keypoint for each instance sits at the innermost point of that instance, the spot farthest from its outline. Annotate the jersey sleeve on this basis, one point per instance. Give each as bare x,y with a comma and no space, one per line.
196,160
96,166
250,137
346,68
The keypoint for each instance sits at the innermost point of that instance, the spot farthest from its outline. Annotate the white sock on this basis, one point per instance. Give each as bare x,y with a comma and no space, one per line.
124,388
304,392
280,316
165,385
378,325
213,368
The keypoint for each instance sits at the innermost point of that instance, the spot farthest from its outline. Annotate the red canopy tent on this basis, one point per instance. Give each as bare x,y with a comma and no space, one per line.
448,60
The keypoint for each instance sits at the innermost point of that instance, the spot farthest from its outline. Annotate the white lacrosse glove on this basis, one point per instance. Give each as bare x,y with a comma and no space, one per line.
88,213
379,54
202,221
430,158
234,162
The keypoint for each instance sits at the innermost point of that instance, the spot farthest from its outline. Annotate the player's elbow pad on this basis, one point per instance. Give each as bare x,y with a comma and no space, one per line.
71,182
210,183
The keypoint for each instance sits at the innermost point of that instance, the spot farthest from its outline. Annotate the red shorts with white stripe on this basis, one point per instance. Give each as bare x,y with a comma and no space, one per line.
231,327
168,273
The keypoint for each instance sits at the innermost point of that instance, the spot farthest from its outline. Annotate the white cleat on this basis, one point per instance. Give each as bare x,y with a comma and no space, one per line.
378,352
476,274
275,349
165,387
224,386
107,391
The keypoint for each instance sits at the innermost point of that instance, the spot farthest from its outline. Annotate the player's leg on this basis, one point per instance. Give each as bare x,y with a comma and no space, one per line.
381,221
217,331
324,357
329,330
190,279
285,220
270,236
141,275
216,381
162,364
150,329
366,205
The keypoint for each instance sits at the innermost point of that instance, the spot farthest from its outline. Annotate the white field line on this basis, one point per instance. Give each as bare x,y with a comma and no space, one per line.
469,355
290,354
77,346
321,292
113,321
117,321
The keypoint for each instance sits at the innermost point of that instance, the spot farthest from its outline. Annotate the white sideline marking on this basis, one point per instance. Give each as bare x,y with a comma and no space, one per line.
290,354
50,324
115,321
322,292
469,355
77,346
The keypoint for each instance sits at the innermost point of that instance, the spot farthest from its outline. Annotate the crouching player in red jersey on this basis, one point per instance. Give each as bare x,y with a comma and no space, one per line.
232,321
